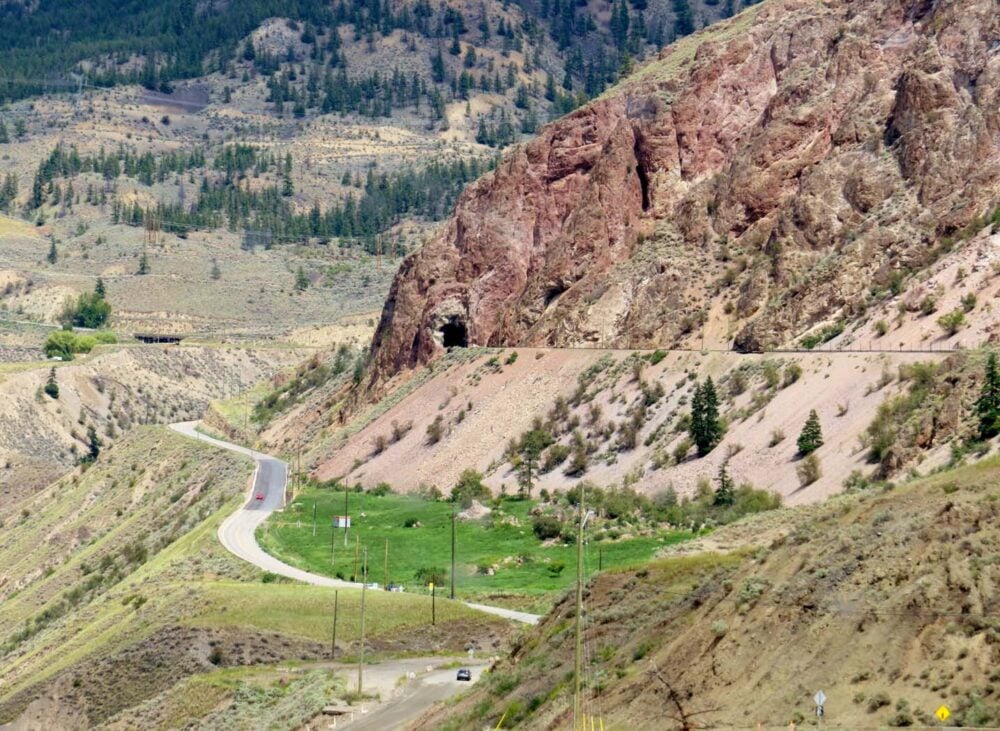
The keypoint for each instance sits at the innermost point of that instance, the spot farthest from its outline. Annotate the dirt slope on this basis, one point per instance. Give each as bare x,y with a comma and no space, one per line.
484,402
885,600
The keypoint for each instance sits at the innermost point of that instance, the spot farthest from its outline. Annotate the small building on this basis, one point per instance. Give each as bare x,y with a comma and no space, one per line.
342,521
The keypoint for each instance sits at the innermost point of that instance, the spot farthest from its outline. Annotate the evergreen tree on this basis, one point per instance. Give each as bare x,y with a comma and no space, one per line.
988,403
93,446
437,67
53,255
216,271
725,491
4,134
705,427
8,192
301,280
811,437
683,18
619,23
143,264
51,385
529,450
287,189
99,289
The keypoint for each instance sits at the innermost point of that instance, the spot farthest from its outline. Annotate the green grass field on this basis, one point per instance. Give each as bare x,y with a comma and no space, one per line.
522,564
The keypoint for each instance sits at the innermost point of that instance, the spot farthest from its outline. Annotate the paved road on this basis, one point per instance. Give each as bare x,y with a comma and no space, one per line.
238,532
403,702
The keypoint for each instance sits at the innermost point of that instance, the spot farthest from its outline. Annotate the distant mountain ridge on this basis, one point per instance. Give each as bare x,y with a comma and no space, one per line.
156,43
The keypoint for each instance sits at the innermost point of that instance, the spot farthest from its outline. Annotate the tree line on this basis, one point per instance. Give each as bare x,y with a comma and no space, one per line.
428,192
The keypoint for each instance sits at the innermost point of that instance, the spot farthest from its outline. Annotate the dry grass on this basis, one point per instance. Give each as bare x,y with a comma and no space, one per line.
878,594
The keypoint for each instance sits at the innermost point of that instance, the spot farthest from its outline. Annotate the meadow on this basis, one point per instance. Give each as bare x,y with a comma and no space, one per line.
408,537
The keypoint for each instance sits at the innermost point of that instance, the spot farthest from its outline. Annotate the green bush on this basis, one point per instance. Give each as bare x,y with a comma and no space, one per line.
554,456
809,470
821,336
546,527
952,322
656,356
470,487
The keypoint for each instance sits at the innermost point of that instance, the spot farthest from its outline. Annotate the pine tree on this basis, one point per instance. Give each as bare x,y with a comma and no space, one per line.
619,23
705,428
93,446
51,385
529,449
725,491
216,271
287,189
988,403
4,134
811,437
437,67
683,18
143,264
301,280
53,255
99,289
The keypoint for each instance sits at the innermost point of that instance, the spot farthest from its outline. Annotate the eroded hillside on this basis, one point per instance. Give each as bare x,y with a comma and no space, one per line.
111,391
622,417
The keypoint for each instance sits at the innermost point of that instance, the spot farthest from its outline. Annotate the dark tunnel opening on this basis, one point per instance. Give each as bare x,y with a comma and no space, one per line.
454,334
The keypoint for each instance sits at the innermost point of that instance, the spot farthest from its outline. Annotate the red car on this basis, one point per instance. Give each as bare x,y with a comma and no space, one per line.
260,496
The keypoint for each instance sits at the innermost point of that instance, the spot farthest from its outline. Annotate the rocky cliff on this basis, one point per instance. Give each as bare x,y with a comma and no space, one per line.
773,171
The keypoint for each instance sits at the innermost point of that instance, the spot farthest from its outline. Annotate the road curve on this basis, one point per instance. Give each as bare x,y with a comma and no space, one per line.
238,532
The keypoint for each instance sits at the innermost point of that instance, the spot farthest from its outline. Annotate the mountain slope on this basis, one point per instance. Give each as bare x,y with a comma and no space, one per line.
783,167
885,600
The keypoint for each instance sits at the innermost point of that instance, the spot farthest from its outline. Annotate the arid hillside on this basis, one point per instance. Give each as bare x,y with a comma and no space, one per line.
789,166
885,600
119,608
111,391
617,418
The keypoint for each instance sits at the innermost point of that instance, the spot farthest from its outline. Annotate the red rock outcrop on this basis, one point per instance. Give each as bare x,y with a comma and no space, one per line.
781,164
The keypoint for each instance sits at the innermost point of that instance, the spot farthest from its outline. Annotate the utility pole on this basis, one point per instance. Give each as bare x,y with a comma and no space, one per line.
347,520
361,654
433,607
385,567
452,551
357,551
314,520
333,538
333,642
579,606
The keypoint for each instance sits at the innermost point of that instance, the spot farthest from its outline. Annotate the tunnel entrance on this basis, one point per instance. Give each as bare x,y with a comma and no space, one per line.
454,334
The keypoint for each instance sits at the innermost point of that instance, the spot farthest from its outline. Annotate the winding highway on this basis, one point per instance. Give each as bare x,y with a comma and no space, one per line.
238,532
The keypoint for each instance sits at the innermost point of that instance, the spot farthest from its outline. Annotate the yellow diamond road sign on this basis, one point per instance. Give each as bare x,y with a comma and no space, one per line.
943,713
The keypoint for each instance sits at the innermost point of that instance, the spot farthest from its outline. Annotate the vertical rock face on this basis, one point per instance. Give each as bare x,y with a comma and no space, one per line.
758,177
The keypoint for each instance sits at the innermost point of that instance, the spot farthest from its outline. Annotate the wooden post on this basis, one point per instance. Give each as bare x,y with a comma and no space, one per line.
357,551
361,654
578,663
333,642
453,550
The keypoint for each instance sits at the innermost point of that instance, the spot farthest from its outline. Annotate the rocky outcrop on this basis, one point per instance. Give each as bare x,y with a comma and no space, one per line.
763,175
